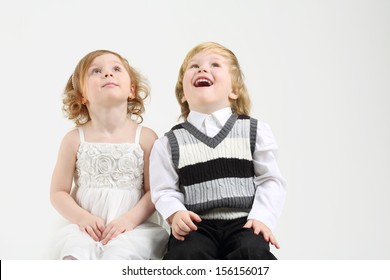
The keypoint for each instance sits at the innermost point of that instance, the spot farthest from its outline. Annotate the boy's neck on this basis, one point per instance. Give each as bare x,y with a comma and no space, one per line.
226,109
198,118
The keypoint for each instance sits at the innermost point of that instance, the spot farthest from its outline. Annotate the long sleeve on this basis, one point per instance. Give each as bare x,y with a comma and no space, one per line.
270,185
164,180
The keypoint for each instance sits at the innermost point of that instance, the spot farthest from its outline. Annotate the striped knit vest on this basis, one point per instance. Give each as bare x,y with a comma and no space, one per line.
215,172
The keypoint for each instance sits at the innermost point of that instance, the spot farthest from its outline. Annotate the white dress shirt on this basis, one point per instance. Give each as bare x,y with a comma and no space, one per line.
271,186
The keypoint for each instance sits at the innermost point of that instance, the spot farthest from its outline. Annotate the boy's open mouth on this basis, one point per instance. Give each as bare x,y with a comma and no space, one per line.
203,82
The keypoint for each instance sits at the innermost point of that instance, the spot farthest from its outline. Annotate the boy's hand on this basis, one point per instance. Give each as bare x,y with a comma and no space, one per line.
259,227
182,223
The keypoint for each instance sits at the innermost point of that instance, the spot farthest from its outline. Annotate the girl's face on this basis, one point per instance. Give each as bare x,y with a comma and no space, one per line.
207,83
107,81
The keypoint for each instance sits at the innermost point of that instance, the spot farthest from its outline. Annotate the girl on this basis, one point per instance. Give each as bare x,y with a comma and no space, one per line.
107,157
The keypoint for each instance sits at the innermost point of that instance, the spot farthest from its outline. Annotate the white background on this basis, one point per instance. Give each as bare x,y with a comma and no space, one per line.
317,71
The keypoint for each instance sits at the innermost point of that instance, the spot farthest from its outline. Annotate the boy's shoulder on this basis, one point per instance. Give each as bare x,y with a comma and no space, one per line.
246,118
243,117
175,127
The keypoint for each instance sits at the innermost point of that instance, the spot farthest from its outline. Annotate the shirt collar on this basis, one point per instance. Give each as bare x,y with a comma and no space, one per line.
221,116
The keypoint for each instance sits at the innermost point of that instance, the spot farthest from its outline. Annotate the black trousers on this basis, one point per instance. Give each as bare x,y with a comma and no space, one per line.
218,240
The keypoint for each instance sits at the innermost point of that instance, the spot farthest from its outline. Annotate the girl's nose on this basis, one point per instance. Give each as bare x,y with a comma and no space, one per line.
110,74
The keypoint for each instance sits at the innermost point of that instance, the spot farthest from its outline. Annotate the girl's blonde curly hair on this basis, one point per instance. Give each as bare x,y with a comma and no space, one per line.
242,104
73,106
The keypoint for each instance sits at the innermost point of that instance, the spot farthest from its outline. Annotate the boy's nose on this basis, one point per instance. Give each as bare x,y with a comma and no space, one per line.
108,75
202,69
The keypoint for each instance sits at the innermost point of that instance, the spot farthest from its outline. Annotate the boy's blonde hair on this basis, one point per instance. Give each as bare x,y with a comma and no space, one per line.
241,105
73,106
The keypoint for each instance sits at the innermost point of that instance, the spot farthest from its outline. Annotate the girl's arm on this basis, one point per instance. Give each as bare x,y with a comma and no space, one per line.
61,185
144,208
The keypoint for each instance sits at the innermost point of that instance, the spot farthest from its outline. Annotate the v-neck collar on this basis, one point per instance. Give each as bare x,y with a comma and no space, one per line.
211,141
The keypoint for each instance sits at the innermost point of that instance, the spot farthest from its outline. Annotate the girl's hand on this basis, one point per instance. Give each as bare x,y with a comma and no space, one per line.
92,225
182,223
116,227
259,227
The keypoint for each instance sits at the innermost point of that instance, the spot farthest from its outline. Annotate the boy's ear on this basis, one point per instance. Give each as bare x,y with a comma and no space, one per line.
233,95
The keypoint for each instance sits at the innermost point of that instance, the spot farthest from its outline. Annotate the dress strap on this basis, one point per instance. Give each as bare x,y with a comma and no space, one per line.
81,134
137,134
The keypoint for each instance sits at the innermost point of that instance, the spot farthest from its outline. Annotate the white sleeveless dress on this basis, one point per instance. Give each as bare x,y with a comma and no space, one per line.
108,183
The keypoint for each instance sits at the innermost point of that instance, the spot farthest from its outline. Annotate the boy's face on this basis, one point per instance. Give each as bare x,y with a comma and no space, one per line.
207,83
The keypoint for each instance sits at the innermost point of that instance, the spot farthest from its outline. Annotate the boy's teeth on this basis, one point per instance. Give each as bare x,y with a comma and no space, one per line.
203,83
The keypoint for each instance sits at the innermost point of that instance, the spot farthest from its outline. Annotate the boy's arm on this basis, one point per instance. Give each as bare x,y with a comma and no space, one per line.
164,180
271,186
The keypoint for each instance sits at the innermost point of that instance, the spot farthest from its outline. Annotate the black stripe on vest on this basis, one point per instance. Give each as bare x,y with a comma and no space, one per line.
215,169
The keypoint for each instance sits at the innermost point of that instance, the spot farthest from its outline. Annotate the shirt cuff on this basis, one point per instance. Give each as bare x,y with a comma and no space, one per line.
167,208
265,218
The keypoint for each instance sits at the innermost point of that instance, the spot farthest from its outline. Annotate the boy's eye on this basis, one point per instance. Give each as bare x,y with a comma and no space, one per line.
194,66
214,64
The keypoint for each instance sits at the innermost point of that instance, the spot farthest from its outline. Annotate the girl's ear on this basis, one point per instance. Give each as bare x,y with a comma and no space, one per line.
131,94
183,99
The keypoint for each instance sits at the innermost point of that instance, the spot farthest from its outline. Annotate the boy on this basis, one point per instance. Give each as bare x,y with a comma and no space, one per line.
214,177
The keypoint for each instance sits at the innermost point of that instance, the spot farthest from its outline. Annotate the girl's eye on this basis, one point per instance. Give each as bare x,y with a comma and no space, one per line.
117,68
96,71
214,64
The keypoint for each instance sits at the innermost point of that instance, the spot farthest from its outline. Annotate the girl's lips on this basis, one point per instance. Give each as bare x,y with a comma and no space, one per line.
110,85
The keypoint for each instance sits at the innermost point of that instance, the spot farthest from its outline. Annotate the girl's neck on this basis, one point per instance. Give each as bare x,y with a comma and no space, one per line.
108,121
109,126
108,131
108,118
